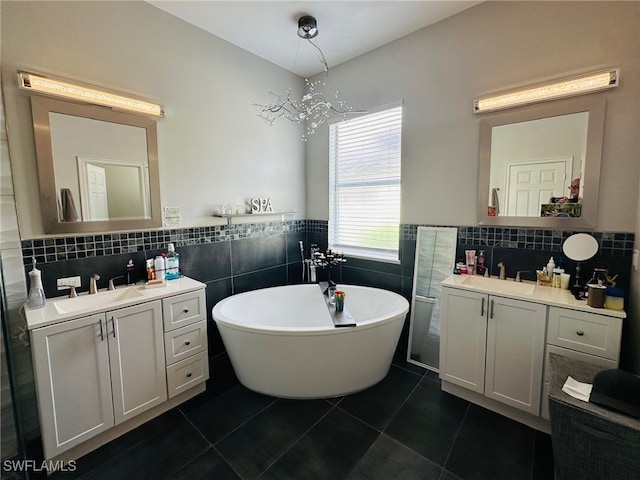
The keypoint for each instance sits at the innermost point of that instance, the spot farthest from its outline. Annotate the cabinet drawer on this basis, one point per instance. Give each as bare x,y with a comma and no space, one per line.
187,373
585,332
184,342
184,309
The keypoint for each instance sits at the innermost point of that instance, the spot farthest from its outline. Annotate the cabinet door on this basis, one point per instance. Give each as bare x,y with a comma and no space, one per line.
463,337
515,352
136,355
71,365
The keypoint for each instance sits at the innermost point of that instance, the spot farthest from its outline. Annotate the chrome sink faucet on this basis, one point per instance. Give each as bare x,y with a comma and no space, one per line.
93,286
502,275
111,285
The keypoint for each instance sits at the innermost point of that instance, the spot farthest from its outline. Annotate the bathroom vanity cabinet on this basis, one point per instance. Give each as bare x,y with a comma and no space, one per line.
101,374
494,346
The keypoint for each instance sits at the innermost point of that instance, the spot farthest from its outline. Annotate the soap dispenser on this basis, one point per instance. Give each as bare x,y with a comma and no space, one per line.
36,297
131,273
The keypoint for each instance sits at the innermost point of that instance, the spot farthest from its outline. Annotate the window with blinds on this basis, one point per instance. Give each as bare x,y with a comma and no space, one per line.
364,184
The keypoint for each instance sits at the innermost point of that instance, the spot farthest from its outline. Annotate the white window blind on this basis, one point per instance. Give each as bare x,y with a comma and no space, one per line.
364,184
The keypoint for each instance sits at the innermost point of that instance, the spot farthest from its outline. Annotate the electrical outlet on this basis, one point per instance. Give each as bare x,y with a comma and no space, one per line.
65,283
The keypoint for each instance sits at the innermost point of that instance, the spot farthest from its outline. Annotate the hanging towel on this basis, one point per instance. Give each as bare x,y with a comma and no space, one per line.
69,213
494,200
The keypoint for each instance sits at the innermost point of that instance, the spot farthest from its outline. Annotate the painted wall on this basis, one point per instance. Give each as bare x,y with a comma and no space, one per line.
212,147
495,46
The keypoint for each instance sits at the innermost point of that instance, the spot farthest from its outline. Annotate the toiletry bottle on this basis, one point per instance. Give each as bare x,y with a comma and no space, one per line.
480,267
159,266
151,272
36,297
131,273
172,263
471,261
550,266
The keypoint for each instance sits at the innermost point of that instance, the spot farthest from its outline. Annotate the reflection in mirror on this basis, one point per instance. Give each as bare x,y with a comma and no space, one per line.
435,260
532,163
530,158
97,168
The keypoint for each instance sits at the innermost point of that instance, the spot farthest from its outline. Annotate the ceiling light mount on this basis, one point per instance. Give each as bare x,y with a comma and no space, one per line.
314,108
307,27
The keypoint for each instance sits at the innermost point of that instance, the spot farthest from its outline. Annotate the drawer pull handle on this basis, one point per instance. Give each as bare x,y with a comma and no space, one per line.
580,333
187,343
186,310
189,375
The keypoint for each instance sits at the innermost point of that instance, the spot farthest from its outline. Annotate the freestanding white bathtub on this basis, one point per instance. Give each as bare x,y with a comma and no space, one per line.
282,340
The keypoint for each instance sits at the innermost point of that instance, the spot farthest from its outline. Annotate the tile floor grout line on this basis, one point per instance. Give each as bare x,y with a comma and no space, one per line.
194,426
224,459
533,454
413,390
400,366
213,446
333,406
455,439
355,467
247,420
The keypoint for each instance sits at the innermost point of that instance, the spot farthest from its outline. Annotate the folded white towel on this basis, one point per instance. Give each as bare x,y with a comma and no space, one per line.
579,390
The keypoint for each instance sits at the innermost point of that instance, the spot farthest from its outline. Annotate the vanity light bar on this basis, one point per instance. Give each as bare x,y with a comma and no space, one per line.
564,88
36,83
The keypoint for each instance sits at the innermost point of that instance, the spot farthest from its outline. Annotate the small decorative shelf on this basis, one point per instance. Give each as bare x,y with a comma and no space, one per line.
231,216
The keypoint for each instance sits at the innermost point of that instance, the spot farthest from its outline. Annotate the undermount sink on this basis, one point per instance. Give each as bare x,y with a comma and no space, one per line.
499,286
100,299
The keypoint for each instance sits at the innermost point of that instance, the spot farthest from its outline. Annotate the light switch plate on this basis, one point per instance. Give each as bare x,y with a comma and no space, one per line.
634,260
65,283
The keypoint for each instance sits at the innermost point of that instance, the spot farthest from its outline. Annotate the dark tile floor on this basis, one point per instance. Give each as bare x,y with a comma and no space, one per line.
403,428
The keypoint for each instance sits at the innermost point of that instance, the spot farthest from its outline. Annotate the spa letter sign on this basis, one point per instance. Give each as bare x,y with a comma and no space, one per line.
261,205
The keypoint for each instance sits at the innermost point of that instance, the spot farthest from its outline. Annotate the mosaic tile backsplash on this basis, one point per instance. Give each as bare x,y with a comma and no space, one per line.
48,250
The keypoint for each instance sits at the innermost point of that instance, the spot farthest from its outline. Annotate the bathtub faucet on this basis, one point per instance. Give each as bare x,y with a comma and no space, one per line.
326,260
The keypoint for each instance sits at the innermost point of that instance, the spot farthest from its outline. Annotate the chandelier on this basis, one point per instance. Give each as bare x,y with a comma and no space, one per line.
313,108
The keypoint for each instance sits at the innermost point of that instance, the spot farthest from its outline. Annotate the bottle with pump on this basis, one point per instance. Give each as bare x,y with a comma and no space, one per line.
131,273
36,297
172,263
480,266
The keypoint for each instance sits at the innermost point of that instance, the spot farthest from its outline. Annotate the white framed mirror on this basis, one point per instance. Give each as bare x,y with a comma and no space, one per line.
530,158
97,168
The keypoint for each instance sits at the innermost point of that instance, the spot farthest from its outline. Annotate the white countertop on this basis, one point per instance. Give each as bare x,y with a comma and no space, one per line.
536,293
60,309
